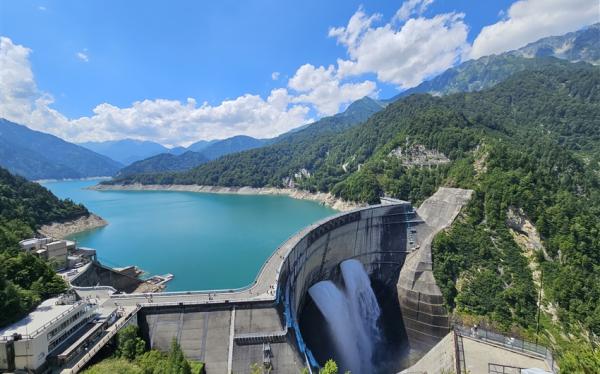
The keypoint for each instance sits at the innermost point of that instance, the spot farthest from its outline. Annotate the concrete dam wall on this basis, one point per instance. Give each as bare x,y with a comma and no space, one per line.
229,329
421,302
393,242
377,236
97,274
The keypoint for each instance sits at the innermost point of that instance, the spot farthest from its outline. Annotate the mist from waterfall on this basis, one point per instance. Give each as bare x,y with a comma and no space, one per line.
332,303
351,316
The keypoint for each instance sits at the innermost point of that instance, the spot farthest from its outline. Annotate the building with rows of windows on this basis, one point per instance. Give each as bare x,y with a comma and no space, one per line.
27,344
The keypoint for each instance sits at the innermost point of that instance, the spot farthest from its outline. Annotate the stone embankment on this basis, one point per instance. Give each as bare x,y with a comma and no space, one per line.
323,198
61,230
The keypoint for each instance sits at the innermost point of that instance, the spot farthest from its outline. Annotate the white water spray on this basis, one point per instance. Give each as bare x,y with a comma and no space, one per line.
363,302
333,305
351,316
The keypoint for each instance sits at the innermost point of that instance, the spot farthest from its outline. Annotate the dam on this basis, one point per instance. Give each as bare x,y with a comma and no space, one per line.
268,322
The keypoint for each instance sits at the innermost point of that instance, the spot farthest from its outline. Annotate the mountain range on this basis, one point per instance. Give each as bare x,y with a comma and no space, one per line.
472,75
37,155
23,156
303,149
205,151
487,71
126,151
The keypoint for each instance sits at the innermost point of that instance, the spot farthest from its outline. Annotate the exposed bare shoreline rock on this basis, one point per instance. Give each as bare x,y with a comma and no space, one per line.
323,198
61,230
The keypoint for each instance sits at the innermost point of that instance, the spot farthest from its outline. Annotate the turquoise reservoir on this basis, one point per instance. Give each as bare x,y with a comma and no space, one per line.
208,241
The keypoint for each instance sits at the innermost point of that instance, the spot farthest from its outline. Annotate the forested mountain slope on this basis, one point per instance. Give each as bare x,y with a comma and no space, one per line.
231,145
330,157
285,145
165,162
25,280
37,155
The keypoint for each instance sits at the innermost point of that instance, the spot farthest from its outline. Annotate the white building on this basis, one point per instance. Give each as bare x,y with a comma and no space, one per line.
53,251
25,345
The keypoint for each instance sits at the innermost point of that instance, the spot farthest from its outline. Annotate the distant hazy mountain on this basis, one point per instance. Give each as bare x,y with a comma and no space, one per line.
164,162
126,151
356,112
201,144
178,150
37,155
582,45
485,72
231,145
280,151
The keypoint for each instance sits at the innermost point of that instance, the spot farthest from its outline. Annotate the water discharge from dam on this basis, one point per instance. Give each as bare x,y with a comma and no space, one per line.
351,315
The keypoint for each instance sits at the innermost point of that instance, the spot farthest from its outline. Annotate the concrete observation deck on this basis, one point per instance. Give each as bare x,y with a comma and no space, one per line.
232,329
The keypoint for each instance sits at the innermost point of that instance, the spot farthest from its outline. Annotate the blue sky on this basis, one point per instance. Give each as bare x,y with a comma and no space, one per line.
86,63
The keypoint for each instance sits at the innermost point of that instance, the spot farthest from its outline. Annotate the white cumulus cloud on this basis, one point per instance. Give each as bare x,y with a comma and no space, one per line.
410,7
529,20
322,88
406,54
20,99
170,122
173,122
403,51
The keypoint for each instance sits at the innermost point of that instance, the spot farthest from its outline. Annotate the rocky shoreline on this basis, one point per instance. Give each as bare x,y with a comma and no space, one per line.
61,230
321,197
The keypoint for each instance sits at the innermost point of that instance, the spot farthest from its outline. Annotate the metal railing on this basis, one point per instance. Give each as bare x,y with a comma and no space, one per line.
506,341
94,288
503,369
511,343
40,329
264,337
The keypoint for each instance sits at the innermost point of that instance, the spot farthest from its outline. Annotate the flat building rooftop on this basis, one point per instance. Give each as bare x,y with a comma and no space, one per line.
45,313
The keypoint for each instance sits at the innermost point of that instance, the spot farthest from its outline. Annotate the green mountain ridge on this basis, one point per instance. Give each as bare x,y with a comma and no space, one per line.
356,112
165,162
234,144
470,76
37,155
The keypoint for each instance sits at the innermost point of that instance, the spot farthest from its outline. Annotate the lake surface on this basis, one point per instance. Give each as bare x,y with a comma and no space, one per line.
208,241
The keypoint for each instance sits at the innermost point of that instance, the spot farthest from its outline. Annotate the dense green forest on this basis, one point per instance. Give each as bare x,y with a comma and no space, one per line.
25,280
530,144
